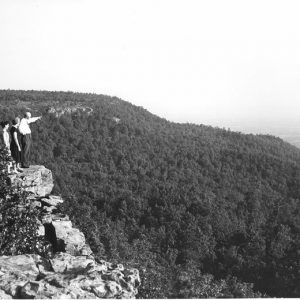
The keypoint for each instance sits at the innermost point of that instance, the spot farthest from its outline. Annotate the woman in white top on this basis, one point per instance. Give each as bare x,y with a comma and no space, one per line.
6,140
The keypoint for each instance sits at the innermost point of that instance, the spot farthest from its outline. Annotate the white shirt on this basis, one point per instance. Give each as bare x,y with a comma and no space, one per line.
6,139
24,125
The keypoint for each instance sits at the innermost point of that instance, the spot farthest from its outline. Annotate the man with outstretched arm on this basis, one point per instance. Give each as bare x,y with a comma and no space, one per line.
25,132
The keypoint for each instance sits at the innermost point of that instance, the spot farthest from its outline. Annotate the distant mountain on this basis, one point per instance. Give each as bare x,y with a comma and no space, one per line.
288,131
191,206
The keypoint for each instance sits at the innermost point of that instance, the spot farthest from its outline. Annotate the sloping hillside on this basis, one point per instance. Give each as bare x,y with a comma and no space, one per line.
175,200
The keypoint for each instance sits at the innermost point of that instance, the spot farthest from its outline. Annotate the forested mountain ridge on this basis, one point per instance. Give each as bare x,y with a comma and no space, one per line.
177,200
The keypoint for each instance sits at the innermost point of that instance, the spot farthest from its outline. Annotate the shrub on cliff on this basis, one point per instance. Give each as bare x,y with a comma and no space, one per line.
4,160
19,220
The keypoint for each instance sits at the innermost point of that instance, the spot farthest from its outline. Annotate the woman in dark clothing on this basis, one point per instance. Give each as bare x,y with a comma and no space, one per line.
15,147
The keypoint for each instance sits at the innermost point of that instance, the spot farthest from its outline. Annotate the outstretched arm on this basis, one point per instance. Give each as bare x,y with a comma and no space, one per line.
31,120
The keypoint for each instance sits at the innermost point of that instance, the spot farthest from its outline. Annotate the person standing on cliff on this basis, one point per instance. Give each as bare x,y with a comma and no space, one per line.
6,140
26,141
15,148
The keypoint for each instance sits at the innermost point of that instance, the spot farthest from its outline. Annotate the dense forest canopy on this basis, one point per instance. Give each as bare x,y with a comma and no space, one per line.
200,211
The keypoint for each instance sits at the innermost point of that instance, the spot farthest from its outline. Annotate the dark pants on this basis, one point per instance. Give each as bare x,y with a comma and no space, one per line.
26,145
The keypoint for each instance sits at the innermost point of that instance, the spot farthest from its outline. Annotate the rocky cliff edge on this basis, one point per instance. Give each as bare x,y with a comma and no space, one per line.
72,272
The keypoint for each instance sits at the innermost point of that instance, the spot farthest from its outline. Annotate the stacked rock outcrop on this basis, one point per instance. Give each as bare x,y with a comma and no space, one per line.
72,272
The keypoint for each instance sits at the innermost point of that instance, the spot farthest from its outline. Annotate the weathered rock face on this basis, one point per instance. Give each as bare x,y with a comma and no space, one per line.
64,276
3,295
36,179
72,272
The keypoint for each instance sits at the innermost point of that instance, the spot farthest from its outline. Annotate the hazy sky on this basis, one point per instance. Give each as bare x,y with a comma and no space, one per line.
212,62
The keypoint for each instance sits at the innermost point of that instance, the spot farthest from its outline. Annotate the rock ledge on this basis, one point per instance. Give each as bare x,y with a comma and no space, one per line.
36,180
72,272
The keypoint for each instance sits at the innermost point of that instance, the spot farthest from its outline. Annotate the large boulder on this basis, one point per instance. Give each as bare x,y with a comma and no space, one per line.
73,238
35,179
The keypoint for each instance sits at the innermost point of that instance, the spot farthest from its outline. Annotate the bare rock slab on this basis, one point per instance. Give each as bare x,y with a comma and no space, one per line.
52,200
64,277
36,179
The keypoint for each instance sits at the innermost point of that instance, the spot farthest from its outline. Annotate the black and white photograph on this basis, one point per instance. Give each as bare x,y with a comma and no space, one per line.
149,149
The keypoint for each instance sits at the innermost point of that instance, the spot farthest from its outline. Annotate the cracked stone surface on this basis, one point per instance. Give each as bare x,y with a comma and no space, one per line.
65,276
36,180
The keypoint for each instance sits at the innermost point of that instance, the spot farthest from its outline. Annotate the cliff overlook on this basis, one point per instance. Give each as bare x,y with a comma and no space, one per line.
71,271
199,211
